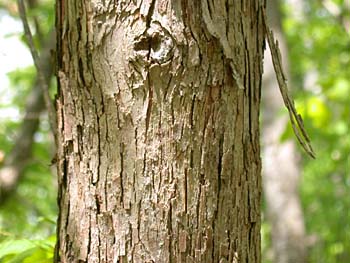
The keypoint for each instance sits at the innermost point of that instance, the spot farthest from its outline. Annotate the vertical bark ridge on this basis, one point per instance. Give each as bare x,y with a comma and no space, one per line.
159,157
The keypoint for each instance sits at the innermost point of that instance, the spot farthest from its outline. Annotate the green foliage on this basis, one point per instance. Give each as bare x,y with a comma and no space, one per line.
21,82
266,246
28,217
43,18
31,211
27,251
320,44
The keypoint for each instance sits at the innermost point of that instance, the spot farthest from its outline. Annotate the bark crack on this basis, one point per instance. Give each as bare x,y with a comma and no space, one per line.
121,201
149,106
150,14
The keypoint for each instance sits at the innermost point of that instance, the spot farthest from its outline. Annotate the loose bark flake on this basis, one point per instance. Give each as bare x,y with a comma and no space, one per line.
158,131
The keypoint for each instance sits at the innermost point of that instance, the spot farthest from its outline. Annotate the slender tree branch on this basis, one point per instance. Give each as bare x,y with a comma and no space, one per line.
41,78
38,99
17,159
38,32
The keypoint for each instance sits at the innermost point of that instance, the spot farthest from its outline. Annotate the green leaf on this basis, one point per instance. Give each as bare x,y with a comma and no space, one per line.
11,247
27,251
318,111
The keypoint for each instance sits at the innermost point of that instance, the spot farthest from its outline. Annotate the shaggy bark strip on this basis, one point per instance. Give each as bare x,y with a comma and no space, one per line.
281,161
158,110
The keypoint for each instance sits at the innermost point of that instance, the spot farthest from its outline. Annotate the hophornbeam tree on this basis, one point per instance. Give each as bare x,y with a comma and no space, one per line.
158,130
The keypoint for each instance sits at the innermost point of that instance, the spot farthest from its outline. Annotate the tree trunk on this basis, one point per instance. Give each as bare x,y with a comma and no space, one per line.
281,171
158,131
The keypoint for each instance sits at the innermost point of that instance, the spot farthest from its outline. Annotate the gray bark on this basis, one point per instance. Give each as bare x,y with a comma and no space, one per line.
158,131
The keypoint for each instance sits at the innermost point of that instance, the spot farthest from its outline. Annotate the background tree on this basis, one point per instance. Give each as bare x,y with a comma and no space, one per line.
158,131
317,36
281,160
318,39
28,207
21,151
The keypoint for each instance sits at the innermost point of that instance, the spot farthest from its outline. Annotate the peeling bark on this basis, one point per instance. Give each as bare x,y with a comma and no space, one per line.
158,131
281,171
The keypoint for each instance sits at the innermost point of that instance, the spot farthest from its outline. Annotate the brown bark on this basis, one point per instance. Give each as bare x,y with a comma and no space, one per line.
281,168
158,132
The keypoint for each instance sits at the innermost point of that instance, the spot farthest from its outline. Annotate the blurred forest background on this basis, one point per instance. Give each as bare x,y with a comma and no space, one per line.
314,37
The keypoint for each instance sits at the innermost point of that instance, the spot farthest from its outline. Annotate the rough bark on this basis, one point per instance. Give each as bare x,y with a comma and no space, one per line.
21,151
281,168
158,131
